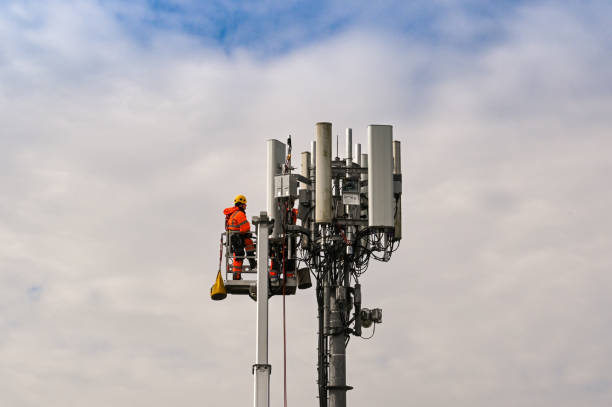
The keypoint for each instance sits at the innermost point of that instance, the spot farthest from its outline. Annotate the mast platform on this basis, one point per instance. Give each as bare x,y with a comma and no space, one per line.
249,287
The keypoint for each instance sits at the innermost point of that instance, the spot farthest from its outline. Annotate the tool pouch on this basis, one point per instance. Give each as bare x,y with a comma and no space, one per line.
237,243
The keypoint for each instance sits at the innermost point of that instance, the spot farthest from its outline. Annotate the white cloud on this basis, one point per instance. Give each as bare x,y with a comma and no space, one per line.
117,158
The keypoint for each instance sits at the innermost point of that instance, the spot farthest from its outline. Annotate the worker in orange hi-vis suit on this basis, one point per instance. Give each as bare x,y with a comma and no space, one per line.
240,235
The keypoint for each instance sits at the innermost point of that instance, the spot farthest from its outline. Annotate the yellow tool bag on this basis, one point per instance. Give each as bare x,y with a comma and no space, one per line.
218,291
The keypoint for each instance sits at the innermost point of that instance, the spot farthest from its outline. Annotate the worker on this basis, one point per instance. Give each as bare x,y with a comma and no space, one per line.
239,232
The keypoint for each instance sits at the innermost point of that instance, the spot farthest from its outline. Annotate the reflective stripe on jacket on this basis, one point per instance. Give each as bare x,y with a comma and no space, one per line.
236,220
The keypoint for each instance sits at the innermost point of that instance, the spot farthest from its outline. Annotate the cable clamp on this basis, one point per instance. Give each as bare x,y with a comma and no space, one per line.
262,366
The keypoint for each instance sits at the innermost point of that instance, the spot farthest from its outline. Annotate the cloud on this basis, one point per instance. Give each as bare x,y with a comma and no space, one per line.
117,156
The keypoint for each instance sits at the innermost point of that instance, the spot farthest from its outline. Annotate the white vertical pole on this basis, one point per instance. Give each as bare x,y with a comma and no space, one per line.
261,368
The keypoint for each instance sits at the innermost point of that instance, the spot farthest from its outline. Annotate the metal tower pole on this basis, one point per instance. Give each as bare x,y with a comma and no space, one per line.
337,353
261,368
339,303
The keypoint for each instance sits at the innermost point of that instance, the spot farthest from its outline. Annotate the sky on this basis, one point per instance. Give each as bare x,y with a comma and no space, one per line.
127,127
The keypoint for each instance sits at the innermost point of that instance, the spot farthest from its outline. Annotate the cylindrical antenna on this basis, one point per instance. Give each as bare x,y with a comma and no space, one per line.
364,164
397,189
305,170
397,158
380,176
349,144
323,190
276,158
313,153
337,150
364,177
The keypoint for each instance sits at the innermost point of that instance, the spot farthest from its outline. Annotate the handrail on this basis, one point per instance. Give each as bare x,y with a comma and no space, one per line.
225,238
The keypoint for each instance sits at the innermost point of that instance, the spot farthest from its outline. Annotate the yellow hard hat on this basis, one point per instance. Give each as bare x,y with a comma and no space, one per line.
240,199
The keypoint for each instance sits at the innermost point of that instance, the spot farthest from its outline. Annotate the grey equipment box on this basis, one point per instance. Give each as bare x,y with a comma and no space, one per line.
350,192
285,186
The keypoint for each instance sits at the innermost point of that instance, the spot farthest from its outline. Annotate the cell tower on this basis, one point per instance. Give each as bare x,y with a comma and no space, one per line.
345,213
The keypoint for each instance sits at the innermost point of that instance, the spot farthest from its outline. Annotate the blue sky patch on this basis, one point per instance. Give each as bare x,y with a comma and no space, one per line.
274,27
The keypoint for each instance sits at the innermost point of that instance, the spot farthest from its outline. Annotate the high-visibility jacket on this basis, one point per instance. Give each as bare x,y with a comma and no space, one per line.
236,220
